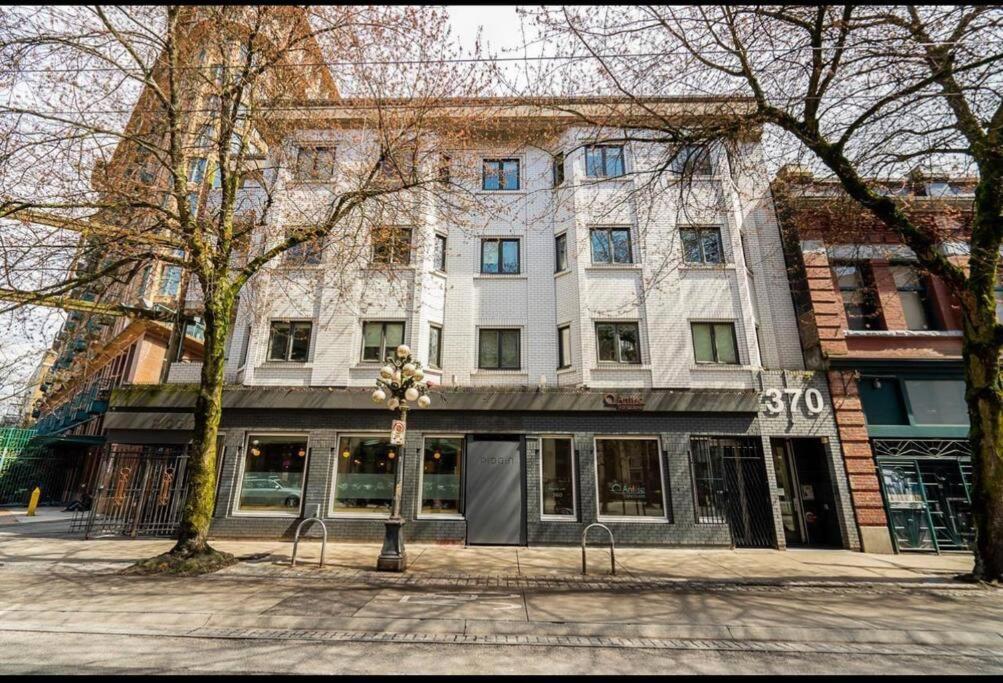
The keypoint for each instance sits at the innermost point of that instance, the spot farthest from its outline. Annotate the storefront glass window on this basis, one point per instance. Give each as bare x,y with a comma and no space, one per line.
937,402
364,480
557,483
273,474
629,478
441,490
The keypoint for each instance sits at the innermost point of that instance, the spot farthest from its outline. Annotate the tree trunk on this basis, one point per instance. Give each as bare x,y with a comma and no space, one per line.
984,396
193,534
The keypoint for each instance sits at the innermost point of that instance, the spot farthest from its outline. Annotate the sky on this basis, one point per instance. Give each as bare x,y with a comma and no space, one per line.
500,24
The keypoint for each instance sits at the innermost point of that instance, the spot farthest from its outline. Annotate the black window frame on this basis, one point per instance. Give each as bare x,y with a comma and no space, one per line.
602,149
436,362
393,245
439,255
684,161
500,161
383,338
557,169
922,289
616,336
500,241
871,309
699,232
609,230
561,252
307,253
712,324
500,331
563,354
314,152
290,336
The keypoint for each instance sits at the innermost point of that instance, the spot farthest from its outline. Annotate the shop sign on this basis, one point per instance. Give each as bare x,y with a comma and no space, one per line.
774,399
397,433
628,490
624,401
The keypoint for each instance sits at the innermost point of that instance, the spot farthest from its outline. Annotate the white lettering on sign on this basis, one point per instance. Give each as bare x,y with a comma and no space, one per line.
773,400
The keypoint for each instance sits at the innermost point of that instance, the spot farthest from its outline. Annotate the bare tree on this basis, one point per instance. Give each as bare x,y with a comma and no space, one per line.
867,94
144,143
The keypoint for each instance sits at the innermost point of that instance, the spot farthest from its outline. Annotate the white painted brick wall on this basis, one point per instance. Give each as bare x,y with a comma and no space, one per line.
658,291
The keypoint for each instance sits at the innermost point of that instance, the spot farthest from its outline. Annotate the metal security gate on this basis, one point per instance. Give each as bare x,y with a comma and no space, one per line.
926,484
729,476
140,491
54,472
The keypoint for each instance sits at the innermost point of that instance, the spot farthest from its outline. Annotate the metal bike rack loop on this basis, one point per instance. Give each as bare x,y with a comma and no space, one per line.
299,527
612,557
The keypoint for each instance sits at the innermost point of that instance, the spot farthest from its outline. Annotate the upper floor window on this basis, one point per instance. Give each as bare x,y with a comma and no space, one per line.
444,165
392,244
611,245
914,297
500,256
702,245
435,347
715,343
308,253
500,174
498,350
561,252
170,280
314,163
196,170
998,295
564,347
860,297
692,160
289,340
558,169
604,161
618,342
439,257
380,338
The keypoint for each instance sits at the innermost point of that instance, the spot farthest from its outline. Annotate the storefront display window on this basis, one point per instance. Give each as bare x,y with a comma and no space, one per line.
441,476
629,478
273,474
364,478
557,484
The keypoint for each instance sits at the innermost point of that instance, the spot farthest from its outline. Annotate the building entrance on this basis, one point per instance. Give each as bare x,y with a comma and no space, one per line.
807,501
495,490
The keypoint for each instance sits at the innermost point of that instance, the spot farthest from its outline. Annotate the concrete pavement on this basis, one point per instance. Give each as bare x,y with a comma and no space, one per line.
461,610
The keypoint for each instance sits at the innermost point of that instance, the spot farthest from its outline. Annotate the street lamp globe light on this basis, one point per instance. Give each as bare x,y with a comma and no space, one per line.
400,383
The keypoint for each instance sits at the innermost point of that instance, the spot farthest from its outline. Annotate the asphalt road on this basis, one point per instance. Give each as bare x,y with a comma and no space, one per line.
72,653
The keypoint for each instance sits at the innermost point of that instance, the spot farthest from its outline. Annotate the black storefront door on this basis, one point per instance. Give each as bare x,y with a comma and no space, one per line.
807,501
495,498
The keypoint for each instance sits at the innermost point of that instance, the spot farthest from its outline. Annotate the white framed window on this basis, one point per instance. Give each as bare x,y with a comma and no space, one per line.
365,471
558,485
563,347
272,470
500,174
314,162
630,481
435,346
499,349
380,338
440,478
289,340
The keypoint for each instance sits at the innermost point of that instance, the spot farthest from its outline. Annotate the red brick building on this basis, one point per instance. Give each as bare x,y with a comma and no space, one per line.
888,335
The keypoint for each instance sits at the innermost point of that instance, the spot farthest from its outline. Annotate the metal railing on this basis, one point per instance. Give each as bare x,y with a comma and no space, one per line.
612,551
299,528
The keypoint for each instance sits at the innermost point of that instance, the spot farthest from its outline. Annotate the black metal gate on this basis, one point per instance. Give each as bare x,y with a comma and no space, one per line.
140,491
53,472
731,488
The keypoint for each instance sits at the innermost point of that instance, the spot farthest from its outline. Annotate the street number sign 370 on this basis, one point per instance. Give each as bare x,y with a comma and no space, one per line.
774,400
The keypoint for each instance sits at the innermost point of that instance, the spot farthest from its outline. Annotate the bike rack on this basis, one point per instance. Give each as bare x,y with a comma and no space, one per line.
612,557
299,527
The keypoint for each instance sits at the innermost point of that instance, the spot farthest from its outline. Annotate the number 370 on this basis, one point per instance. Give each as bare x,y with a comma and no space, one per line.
774,400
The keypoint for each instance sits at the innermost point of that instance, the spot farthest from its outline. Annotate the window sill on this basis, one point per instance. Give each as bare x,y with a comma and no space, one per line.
559,518
519,192
708,266
625,178
248,513
723,367
611,365
435,517
903,333
286,364
357,515
565,371
383,267
635,520
501,276
562,273
496,371
614,266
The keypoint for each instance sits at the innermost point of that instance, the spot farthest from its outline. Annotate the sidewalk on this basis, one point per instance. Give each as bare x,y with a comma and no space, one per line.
682,564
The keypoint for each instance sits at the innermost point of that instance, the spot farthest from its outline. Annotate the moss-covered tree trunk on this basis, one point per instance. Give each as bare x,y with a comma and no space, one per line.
984,395
194,531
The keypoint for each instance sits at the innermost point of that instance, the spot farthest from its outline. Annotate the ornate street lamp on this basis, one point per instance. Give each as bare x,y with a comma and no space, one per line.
401,382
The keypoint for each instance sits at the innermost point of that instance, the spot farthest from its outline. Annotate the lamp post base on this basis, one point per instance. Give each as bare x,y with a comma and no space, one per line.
393,557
